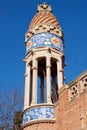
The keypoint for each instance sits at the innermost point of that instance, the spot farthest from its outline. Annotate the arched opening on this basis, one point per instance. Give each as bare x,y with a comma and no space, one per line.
54,80
41,87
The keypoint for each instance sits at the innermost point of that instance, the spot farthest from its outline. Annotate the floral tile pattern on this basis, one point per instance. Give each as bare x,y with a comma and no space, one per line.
44,39
45,112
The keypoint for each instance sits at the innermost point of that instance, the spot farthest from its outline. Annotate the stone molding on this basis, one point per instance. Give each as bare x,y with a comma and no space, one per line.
38,105
39,121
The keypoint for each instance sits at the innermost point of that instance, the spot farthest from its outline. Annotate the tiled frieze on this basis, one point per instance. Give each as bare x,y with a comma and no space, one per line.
43,40
38,113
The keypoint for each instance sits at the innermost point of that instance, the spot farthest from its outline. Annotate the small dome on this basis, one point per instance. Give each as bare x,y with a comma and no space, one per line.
44,21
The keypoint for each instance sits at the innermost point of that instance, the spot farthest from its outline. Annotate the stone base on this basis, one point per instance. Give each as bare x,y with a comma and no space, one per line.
40,125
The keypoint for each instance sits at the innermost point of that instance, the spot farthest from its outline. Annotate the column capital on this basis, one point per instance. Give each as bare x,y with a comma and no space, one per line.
61,70
48,60
61,55
57,60
48,66
34,67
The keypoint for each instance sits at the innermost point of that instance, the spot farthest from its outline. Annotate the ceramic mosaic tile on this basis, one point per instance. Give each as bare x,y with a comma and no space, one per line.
44,39
44,112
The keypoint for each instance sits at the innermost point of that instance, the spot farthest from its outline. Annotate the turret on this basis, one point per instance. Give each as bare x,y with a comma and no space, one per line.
44,60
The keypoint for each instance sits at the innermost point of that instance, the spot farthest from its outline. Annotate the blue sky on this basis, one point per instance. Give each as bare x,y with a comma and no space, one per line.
15,16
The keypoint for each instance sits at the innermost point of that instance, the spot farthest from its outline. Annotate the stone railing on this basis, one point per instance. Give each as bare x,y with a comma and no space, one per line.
73,91
78,86
38,112
83,83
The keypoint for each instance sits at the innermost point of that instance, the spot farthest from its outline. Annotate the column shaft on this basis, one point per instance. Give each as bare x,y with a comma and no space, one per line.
48,75
34,83
60,73
27,86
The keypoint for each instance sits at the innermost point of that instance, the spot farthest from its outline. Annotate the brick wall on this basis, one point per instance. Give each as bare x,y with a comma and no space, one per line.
71,114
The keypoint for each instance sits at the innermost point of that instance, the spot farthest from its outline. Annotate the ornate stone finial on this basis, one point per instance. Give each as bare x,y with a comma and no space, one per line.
44,7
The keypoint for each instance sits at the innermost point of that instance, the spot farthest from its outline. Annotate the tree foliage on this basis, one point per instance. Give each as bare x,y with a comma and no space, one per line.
10,102
17,120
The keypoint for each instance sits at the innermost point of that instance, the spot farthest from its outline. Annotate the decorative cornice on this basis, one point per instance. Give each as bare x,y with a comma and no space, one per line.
62,89
38,105
39,121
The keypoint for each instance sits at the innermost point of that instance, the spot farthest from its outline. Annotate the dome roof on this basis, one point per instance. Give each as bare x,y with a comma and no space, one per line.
44,21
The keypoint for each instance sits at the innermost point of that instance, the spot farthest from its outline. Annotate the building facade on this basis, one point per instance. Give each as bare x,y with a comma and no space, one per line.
49,103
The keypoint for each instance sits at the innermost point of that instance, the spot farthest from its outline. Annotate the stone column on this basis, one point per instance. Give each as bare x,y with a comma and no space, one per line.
34,82
59,73
48,76
27,86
